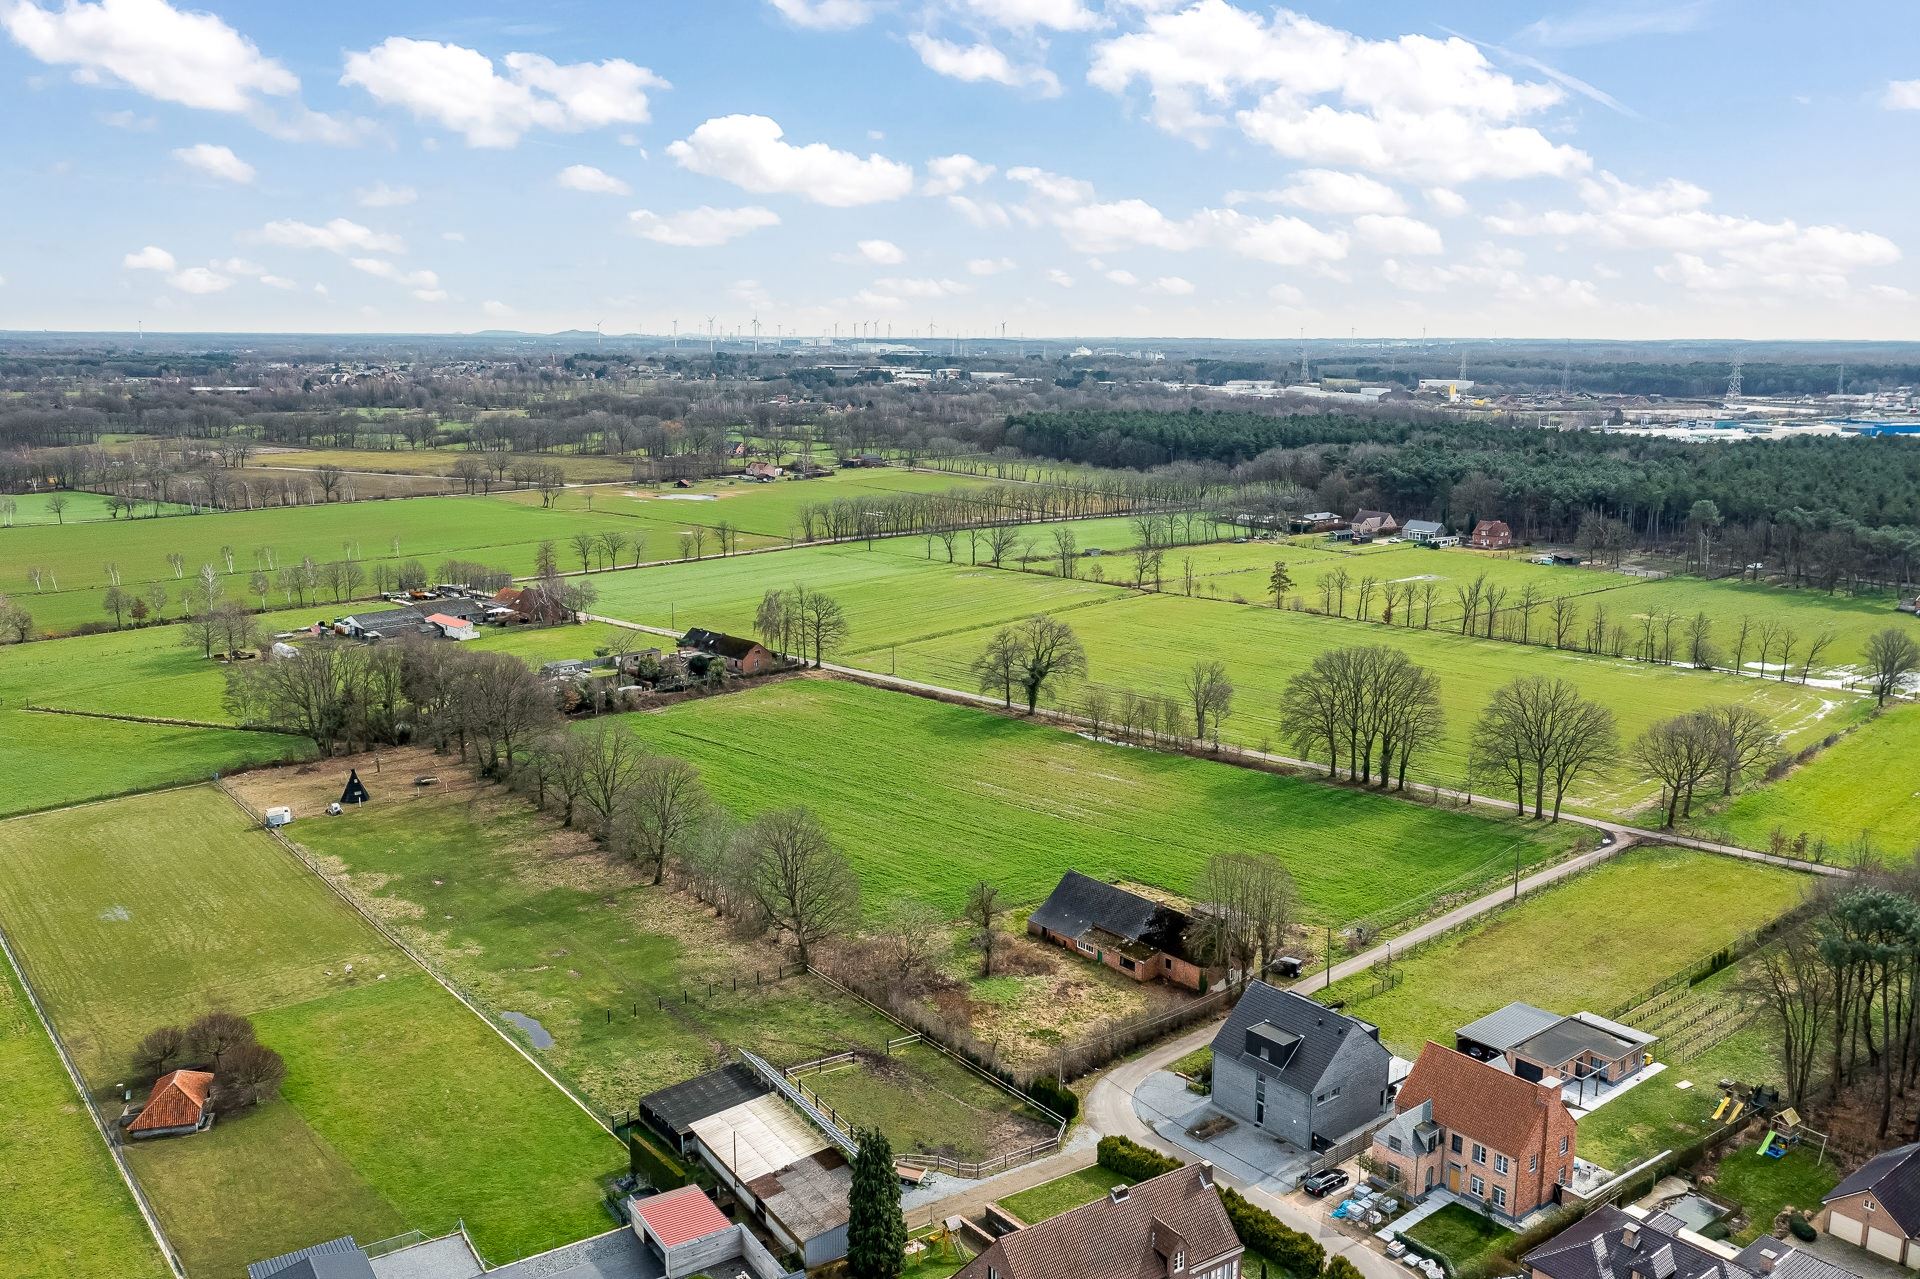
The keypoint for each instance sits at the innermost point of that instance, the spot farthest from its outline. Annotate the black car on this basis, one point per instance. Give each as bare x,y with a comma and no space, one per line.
1325,1183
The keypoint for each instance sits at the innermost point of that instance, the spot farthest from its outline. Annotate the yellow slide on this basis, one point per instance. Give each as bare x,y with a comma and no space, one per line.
1738,1106
1726,1099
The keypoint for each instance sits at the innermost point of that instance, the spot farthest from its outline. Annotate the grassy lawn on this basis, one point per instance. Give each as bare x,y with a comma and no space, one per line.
1765,1186
1465,1237
1863,783
1635,919
539,921
81,1221
1660,1115
937,1261
81,508
926,1104
1020,804
400,1110
1050,1199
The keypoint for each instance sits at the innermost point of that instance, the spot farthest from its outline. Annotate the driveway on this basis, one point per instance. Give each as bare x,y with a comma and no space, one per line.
1243,1152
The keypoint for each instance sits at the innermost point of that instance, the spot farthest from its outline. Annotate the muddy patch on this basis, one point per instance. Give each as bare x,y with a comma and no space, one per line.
536,1033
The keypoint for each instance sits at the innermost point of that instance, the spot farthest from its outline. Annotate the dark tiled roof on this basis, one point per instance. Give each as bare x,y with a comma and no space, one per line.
1080,902
1788,1261
1894,1178
1567,1039
335,1259
719,644
1595,1247
1319,1029
1109,1240
678,1108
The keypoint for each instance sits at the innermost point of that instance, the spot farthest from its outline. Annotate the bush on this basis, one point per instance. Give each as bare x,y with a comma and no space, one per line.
1800,1228
1716,1230
1134,1161
1296,1253
1061,1100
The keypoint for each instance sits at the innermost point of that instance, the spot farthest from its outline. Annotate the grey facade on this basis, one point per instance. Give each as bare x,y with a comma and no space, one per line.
1297,1070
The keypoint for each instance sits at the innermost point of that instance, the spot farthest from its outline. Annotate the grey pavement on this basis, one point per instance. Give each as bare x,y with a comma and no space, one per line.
1243,1152
618,1254
448,1258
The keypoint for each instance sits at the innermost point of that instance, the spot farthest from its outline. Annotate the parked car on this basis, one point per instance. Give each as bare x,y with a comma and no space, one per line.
1324,1183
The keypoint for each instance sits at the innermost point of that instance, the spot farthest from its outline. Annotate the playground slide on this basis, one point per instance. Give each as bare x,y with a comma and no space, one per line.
1738,1106
1766,1143
1721,1109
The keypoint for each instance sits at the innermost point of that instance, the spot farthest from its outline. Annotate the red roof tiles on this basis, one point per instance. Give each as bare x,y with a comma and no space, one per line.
178,1099
681,1216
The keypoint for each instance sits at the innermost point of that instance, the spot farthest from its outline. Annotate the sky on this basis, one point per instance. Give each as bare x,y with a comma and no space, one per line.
1384,168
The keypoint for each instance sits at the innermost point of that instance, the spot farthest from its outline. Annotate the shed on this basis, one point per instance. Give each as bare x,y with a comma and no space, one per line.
177,1105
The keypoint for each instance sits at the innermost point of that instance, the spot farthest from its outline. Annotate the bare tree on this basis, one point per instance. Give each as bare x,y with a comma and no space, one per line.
984,908
249,1074
823,623
583,546
214,1034
1744,742
1680,753
997,666
610,761
1891,655
798,878
1799,987
158,1050
661,806
1064,549
1247,906
1539,733
1044,649
1210,695
1815,646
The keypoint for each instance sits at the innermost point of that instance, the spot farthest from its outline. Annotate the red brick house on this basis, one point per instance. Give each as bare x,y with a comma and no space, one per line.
742,656
1491,535
177,1105
1135,936
1168,1227
1479,1131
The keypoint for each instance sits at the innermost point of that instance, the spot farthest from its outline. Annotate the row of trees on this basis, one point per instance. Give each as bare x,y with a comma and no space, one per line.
1371,707
800,620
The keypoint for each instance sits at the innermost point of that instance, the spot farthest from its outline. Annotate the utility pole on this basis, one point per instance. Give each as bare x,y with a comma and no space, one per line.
1329,956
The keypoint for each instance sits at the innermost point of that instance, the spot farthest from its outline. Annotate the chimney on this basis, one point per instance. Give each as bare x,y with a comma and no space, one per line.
1206,1174
1767,1257
1118,1194
1630,1235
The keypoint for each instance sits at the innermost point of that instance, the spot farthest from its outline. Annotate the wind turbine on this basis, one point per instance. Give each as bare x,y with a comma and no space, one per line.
598,336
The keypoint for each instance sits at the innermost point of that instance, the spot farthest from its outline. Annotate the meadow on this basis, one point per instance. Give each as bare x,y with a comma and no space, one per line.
1864,783
81,508
82,1222
636,984
927,798
120,930
1617,929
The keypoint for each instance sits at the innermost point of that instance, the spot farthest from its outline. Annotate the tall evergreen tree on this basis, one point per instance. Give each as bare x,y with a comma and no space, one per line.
876,1232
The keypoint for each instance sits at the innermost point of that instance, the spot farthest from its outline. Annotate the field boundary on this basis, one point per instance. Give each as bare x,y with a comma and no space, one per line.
153,719
93,1111
419,960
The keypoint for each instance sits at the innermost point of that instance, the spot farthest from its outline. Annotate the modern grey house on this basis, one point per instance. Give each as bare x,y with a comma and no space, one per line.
1297,1070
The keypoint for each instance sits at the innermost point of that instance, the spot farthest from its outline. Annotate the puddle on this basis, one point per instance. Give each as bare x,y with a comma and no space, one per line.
535,1032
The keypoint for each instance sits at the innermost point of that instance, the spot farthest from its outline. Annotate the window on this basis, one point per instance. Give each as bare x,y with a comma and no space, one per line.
1393,1144
1533,1163
1500,1196
1126,964
1563,1145
1867,1204
1456,1143
1084,947
1562,1178
1179,1261
1333,1093
1500,1164
1479,1187
1479,1153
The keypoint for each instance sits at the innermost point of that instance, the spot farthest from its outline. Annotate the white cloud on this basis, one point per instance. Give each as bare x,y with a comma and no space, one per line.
199,279
459,89
424,284
382,196
278,282
584,177
1056,276
1498,274
1390,233
824,15
1446,202
1902,95
1331,191
949,173
1124,278
496,310
194,59
1172,285
974,63
1053,186
338,236
151,258
1093,226
893,293
126,120
1414,105
749,151
881,252
1605,24
1026,15
700,228
989,266
1286,295
215,161
985,214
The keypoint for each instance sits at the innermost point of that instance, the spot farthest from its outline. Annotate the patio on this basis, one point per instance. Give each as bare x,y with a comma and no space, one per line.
1585,1096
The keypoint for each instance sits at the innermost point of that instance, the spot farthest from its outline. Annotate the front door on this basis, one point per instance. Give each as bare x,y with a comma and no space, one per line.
1453,1178
1259,1102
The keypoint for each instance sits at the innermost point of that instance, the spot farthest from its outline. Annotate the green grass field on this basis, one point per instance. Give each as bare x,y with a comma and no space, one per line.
1865,782
924,1105
1019,804
1051,1198
1660,1115
1618,928
1463,1236
81,508
400,1108
618,972
68,1213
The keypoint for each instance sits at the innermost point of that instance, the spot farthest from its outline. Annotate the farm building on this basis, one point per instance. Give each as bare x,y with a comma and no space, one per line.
782,1170
685,1234
766,471
1493,1140
1371,524
1611,1242
1585,1050
742,656
673,1111
177,1105
453,628
1315,522
1173,1225
1878,1207
1130,934
1297,1070
1490,535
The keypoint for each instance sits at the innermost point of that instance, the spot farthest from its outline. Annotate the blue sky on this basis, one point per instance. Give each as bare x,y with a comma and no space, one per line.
1709,168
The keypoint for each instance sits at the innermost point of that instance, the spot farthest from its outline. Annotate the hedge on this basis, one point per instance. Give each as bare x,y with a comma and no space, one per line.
1063,1102
1134,1161
652,1165
1298,1254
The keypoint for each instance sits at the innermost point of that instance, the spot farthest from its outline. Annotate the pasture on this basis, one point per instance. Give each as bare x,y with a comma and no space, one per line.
123,925
1615,929
580,468
637,985
81,1222
1019,804
1863,783
80,508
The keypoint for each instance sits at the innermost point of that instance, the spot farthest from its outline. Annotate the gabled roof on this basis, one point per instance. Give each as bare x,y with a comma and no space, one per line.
178,1099
1894,1178
810,1196
1486,1103
1788,1262
718,643
1079,903
335,1259
681,1216
1274,1015
1423,526
678,1108
1120,1239
1503,1028
1596,1247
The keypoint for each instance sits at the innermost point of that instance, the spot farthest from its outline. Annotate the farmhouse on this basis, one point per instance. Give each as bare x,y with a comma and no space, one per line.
783,1171
742,656
766,471
1130,934
1878,1207
453,628
1479,1132
1585,1050
1368,525
1490,535
685,1234
1173,1225
1297,1070
177,1105
1615,1243
673,1111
